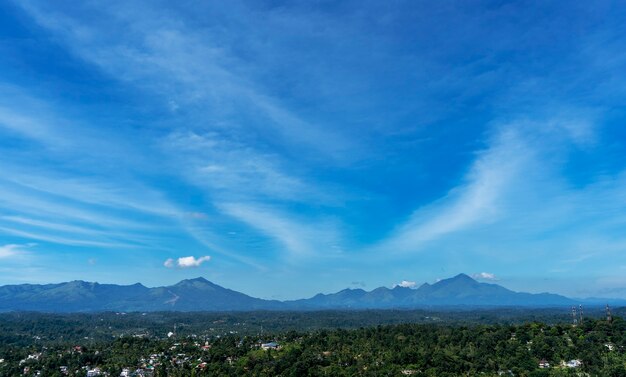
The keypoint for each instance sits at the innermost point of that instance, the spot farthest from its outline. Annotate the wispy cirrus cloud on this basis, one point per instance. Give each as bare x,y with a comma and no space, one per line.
57,131
478,200
88,191
518,166
77,204
296,237
29,127
171,58
14,250
230,169
68,219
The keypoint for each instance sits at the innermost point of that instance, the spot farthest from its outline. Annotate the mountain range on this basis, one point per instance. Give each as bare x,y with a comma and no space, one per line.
202,295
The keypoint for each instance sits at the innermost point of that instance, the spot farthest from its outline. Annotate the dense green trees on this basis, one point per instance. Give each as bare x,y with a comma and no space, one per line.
417,349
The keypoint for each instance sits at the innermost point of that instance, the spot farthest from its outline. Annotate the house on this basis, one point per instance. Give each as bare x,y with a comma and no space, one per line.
573,363
93,372
126,372
610,346
144,372
270,346
543,364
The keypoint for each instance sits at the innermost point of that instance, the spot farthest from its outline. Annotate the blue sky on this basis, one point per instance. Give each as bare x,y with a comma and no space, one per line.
288,148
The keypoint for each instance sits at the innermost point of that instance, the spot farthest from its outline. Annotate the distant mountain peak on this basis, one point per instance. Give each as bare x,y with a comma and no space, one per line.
400,288
462,276
460,279
351,291
198,280
81,283
459,283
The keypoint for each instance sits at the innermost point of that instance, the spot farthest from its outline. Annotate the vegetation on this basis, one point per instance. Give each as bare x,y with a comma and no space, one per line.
112,342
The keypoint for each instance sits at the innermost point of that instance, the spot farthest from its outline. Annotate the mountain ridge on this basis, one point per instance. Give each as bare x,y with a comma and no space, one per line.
200,294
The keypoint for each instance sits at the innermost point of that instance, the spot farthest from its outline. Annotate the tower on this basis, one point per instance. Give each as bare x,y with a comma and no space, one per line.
580,314
609,317
574,316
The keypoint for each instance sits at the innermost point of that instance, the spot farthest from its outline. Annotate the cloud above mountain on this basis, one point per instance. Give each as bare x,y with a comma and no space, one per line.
406,284
485,276
186,262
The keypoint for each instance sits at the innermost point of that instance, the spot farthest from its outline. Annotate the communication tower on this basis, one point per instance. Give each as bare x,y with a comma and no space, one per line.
580,314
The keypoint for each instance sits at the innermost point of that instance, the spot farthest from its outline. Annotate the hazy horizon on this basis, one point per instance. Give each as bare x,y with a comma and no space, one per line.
282,150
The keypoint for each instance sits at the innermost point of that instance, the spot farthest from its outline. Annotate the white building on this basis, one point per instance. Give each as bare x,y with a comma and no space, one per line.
270,346
574,363
93,372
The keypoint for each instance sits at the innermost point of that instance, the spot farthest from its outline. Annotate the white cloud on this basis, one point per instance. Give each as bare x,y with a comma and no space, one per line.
406,284
186,262
485,276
